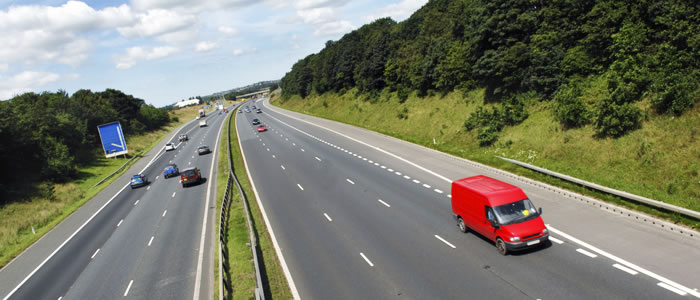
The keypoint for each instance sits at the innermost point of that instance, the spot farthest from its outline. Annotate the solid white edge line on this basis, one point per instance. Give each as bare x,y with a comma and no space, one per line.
299,185
350,181
63,244
586,253
150,241
327,217
198,278
444,241
626,269
137,202
278,250
626,263
94,254
671,288
556,240
601,252
128,288
385,204
367,260
120,222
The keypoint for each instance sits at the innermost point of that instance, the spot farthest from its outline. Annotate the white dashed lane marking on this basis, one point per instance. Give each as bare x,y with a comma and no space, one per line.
350,181
556,240
444,241
367,259
327,217
586,253
623,268
299,185
382,202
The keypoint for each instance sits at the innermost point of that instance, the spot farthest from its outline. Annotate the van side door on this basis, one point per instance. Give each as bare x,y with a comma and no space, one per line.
487,229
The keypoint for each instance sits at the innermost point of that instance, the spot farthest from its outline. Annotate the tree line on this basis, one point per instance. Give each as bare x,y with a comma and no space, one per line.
46,136
645,48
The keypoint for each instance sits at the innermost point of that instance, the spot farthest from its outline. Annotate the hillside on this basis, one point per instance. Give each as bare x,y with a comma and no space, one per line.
603,90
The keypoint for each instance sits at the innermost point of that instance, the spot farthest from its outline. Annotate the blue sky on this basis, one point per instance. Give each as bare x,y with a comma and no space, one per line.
166,50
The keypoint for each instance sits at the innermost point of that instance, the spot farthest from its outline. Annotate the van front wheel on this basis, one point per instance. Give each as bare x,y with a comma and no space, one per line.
501,246
461,225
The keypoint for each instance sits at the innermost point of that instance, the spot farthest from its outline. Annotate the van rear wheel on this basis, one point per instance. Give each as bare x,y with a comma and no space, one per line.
501,246
461,225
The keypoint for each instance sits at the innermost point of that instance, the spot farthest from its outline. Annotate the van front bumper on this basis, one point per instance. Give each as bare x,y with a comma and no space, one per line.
529,243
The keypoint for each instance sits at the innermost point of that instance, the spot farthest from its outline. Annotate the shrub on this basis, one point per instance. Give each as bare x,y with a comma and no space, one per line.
616,120
569,110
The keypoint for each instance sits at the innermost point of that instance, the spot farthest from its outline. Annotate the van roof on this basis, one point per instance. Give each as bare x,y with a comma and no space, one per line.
496,191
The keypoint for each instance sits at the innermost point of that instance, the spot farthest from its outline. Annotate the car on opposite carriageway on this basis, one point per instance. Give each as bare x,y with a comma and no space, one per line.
171,170
138,180
203,149
190,176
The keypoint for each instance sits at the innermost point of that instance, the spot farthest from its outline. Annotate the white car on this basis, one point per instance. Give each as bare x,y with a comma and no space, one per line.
202,123
169,146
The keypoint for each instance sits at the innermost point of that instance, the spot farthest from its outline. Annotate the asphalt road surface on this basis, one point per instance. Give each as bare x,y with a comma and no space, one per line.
142,243
358,215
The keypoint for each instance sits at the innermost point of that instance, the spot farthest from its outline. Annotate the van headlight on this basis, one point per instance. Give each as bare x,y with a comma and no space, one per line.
545,231
514,239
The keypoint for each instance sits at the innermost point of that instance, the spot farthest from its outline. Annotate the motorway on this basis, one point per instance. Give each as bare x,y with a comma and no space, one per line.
146,243
358,215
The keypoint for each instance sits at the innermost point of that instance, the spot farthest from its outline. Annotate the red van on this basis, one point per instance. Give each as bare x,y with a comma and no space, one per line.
499,211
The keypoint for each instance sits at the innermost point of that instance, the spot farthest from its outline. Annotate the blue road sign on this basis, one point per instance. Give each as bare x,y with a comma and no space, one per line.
112,138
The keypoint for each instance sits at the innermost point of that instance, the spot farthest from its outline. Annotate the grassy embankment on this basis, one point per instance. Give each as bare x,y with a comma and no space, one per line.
240,259
660,161
44,211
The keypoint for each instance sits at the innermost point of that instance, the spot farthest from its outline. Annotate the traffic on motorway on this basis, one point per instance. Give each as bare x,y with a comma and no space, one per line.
354,220
147,236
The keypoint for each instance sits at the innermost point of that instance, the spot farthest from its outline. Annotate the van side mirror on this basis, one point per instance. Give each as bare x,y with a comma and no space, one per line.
540,210
494,224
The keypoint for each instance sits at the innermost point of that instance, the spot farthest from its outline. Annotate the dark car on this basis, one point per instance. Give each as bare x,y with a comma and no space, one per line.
254,107
256,122
190,176
203,149
183,137
262,128
138,180
258,111
171,170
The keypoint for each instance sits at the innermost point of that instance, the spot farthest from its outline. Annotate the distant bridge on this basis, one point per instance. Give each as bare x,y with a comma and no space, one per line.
260,93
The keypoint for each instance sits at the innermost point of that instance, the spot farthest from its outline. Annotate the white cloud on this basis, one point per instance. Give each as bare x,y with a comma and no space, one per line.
398,11
24,82
191,5
34,34
317,15
333,28
136,54
161,24
241,52
205,46
4,67
228,31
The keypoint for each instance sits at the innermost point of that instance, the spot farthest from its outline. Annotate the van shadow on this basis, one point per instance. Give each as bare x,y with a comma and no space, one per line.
525,251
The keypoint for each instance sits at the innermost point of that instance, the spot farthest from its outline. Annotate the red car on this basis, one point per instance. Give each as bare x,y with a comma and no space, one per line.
262,128
190,176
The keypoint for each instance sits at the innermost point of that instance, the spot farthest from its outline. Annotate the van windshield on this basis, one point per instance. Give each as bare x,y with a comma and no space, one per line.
516,212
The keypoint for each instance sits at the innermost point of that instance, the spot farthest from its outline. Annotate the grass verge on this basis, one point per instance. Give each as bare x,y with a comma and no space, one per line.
51,203
659,161
274,281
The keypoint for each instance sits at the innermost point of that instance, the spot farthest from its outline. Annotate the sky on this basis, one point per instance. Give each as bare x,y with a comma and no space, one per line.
164,51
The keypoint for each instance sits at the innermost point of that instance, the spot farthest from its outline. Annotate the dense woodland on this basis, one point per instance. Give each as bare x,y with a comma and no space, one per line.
46,136
646,49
